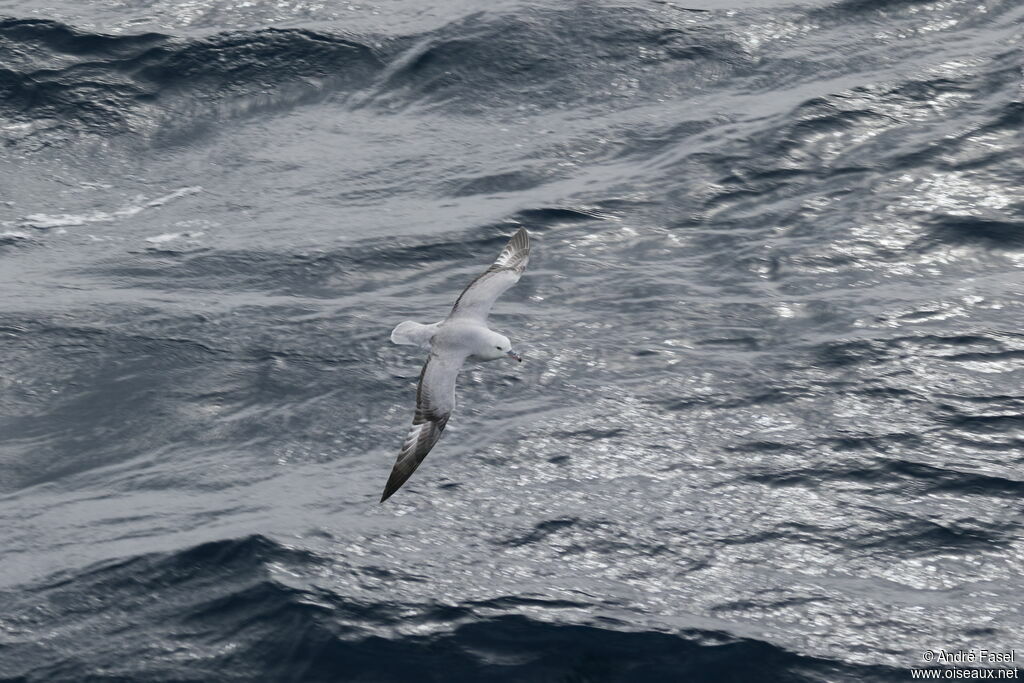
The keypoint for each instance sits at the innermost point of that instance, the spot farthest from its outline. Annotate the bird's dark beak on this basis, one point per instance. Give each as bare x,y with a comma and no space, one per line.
513,354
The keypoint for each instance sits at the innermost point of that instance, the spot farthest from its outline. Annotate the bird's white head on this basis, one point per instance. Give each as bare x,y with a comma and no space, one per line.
495,346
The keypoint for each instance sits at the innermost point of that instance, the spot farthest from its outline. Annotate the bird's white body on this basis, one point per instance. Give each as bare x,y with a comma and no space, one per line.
478,342
462,336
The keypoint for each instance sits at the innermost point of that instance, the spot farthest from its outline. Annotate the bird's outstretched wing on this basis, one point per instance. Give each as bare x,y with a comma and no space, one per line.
435,401
476,300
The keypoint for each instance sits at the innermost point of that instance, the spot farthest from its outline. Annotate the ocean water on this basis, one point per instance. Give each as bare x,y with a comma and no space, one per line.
770,423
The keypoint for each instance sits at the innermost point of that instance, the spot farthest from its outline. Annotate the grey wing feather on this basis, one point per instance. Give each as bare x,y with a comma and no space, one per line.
435,401
479,296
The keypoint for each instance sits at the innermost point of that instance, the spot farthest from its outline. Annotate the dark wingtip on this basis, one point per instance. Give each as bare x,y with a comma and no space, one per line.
390,488
521,240
395,481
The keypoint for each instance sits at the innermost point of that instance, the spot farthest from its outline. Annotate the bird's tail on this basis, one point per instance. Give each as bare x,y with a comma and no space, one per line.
413,334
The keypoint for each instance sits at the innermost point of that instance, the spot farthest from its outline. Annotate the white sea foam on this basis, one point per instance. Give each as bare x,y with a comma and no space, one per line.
172,236
42,221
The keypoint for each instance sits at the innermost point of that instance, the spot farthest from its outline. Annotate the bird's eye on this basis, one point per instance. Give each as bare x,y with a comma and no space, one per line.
498,347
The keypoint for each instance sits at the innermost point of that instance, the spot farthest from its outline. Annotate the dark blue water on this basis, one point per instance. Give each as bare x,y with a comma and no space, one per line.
770,426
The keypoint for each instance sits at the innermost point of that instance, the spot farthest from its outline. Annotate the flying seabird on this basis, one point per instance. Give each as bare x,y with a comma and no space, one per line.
462,335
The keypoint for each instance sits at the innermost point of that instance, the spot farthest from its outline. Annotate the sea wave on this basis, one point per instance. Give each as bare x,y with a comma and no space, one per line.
218,611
